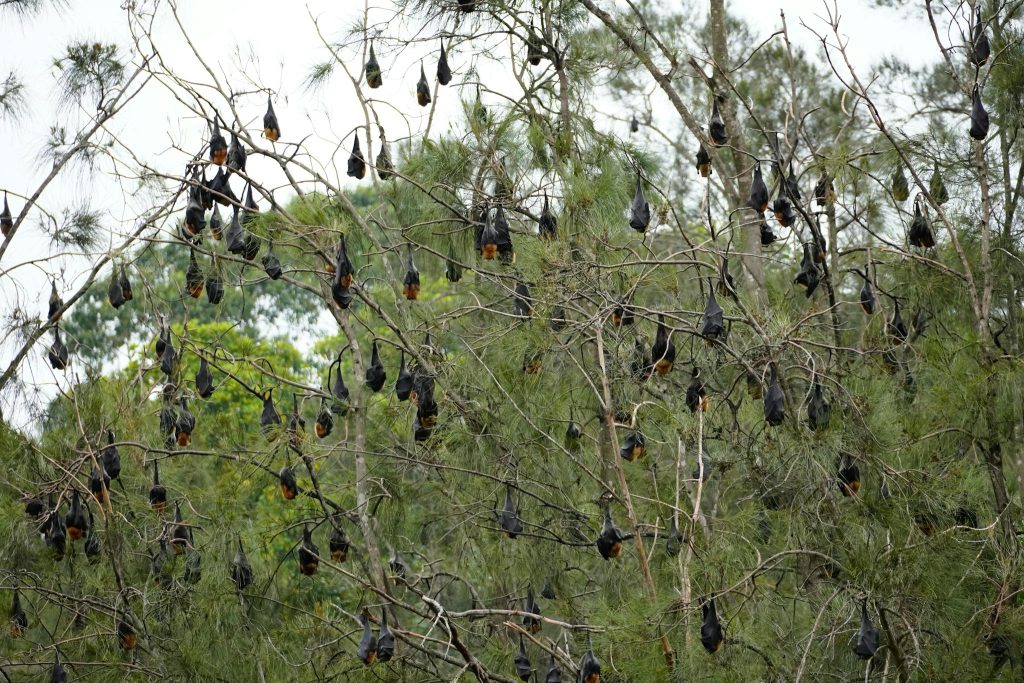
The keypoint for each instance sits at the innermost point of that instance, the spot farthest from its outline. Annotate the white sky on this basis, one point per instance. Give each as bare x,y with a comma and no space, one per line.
284,38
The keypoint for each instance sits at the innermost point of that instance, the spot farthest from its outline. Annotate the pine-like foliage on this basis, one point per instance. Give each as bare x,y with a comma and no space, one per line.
546,460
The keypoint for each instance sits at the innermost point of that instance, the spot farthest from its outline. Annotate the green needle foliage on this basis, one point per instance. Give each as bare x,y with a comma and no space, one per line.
89,70
699,453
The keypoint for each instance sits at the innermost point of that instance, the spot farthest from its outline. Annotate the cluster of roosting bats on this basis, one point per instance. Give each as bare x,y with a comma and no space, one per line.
205,197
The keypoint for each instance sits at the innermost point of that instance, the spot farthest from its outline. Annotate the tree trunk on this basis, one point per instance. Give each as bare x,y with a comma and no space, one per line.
749,237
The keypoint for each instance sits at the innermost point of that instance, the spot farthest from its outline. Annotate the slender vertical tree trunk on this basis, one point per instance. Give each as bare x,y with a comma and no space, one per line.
609,447
739,165
377,574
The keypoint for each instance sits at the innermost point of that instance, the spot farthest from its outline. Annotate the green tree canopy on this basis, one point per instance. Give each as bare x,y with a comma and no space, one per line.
645,352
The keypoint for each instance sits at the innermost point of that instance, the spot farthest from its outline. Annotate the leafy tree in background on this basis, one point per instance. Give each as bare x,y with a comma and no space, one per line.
257,308
821,479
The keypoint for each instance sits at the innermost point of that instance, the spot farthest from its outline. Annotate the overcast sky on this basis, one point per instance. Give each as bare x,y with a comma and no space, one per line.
277,42
282,37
